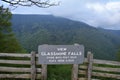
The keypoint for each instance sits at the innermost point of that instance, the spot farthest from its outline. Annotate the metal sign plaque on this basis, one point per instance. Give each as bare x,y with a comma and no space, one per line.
61,54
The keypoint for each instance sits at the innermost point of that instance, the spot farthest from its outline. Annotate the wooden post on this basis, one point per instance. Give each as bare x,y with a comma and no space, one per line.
33,68
75,72
90,62
75,69
44,72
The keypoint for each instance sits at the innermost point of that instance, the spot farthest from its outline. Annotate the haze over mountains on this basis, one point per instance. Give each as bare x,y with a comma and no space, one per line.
34,30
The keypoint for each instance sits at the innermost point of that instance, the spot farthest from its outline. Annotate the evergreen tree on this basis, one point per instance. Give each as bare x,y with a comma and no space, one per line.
8,42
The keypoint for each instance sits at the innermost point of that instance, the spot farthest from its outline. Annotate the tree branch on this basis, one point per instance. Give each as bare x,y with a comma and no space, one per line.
39,3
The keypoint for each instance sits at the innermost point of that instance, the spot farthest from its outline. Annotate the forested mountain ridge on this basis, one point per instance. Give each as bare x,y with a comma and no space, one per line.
34,30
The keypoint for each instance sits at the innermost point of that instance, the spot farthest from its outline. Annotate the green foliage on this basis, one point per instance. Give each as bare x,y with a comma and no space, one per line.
59,72
118,55
5,16
8,42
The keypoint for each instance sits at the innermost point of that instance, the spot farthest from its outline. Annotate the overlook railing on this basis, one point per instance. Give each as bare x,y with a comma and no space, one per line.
25,66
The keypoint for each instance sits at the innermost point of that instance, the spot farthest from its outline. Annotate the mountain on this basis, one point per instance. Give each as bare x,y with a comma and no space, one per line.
34,30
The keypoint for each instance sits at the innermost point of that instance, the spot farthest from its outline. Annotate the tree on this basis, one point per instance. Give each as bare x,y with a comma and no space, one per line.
39,3
8,42
118,55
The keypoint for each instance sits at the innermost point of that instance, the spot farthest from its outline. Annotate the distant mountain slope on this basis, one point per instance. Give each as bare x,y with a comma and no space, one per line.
34,30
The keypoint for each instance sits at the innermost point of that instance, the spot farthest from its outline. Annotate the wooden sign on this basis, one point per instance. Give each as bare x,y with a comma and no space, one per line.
61,54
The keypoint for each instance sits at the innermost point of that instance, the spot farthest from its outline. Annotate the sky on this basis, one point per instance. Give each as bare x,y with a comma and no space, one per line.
97,13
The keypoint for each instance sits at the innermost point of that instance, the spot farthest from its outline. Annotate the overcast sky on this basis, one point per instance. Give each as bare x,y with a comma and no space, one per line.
98,13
